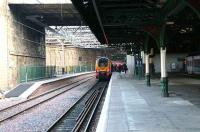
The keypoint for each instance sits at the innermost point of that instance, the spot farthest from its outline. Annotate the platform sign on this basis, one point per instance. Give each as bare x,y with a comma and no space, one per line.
173,66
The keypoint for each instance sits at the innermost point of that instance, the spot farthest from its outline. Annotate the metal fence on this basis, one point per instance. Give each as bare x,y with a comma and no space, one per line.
31,73
79,69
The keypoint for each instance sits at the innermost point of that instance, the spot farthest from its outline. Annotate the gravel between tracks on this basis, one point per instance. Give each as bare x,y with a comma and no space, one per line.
43,88
9,101
21,107
42,116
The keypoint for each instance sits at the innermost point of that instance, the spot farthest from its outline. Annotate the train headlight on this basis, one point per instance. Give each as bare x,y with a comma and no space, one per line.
108,70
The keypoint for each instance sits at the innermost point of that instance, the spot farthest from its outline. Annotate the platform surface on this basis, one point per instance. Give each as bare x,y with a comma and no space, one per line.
23,90
133,107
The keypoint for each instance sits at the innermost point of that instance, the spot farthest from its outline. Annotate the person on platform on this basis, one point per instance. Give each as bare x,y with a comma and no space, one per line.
125,67
119,68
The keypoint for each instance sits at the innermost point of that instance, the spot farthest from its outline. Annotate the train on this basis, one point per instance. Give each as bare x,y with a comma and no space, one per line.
193,64
103,68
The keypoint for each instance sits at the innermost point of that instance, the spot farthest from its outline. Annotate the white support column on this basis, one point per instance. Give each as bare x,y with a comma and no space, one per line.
143,63
163,62
147,70
147,64
143,57
164,79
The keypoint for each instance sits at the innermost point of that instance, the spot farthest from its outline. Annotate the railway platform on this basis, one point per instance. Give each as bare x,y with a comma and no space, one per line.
24,90
131,106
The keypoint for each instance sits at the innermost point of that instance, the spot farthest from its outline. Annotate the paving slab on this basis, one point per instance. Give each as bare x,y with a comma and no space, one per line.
133,107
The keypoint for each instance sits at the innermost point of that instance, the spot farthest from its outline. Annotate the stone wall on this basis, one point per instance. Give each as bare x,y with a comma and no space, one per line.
72,56
23,43
3,45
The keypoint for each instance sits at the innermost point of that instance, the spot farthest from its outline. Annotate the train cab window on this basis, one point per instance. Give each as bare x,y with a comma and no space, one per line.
103,62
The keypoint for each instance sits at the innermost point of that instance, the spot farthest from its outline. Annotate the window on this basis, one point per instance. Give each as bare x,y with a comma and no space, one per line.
103,62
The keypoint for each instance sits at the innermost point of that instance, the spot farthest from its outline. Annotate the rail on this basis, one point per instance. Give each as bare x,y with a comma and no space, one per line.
84,116
40,99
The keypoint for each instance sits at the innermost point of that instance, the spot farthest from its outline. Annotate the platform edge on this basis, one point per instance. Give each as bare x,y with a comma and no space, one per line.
102,124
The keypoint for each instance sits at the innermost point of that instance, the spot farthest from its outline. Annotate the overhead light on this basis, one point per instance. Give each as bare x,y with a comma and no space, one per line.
169,23
182,31
189,29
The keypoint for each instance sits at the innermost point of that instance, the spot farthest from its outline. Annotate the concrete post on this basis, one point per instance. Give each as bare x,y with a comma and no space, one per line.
147,70
143,63
164,79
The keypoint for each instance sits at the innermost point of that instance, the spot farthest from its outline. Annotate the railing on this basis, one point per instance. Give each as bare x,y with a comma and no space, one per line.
79,69
31,73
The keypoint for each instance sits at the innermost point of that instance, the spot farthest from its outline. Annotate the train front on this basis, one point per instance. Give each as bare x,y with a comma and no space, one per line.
103,68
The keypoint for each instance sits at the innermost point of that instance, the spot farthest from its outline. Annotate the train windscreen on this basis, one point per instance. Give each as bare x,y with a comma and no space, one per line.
103,62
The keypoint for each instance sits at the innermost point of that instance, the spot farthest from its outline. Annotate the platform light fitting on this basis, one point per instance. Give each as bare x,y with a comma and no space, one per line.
170,23
182,31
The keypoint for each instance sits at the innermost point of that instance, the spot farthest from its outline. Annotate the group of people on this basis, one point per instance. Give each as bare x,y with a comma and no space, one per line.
120,68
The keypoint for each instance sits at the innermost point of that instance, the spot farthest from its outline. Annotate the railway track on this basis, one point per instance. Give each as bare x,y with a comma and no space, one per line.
16,109
79,116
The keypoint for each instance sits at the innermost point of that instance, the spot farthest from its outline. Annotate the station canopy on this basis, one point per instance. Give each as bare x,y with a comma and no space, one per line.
122,23
115,22
72,36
